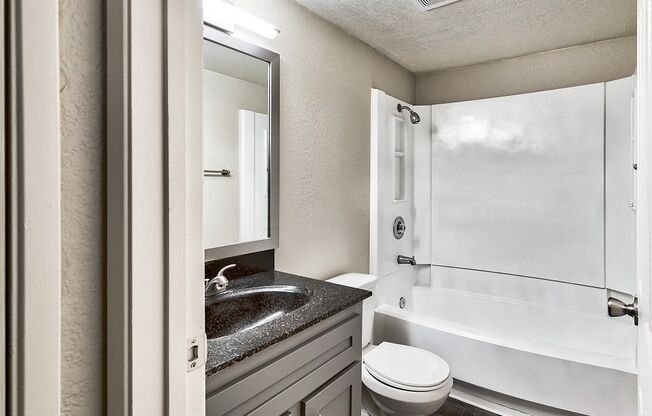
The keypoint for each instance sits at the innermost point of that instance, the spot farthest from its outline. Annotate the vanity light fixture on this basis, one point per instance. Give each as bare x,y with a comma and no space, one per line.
228,18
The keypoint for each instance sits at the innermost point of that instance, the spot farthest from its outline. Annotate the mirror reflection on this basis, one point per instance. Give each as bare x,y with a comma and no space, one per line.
235,109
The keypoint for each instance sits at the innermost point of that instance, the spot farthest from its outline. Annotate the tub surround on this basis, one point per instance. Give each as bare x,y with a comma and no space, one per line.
326,300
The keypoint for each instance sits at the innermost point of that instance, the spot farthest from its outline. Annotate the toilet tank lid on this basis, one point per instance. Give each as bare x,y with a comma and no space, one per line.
358,280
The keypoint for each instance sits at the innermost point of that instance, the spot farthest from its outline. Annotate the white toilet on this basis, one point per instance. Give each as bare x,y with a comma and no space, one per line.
400,379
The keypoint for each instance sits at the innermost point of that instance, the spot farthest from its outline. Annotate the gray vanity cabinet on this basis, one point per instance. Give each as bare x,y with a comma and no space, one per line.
316,372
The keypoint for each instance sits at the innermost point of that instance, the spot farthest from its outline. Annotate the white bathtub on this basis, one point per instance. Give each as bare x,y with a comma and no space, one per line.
575,361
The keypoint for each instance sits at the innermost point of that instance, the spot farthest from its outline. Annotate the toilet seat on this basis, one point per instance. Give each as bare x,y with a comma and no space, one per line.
406,368
412,398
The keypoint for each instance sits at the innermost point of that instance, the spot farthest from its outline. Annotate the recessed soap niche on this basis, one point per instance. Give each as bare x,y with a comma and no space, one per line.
400,150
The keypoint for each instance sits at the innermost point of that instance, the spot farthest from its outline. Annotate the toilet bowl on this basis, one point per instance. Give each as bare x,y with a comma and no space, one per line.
401,380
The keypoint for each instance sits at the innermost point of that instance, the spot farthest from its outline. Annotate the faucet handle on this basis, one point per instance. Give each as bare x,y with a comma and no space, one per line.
225,268
218,283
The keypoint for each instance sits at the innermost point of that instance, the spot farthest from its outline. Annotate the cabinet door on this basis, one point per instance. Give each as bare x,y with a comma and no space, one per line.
293,411
341,396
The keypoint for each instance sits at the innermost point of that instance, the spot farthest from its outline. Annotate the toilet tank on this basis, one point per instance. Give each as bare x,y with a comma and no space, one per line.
366,282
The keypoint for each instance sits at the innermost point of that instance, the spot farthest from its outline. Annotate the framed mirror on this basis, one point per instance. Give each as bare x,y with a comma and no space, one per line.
240,133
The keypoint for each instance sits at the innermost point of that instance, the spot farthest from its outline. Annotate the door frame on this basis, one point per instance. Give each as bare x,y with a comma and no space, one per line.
644,202
3,213
32,199
154,191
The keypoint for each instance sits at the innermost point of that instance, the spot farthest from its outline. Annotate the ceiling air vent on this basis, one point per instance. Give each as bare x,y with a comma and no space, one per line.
432,4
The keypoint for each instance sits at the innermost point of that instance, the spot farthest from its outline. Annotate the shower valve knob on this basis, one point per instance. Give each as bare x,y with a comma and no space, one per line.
399,228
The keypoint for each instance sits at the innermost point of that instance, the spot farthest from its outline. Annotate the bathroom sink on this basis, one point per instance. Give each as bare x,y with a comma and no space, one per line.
237,310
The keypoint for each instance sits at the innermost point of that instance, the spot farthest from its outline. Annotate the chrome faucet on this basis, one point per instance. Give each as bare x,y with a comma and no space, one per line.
217,284
406,260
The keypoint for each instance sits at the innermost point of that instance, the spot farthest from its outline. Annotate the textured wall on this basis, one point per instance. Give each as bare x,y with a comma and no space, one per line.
82,185
326,78
596,62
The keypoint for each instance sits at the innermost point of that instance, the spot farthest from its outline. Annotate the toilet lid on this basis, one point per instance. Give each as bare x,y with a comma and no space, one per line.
406,367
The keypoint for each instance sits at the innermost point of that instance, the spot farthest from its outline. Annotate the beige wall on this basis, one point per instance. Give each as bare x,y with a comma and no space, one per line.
326,78
601,61
82,221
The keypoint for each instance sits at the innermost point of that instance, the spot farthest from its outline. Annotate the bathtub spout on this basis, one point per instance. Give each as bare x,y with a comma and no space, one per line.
406,260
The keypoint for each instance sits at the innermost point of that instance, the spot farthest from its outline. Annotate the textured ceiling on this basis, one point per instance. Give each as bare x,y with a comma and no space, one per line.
469,32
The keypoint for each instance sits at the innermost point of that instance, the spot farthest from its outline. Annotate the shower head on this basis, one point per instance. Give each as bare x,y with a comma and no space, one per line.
414,117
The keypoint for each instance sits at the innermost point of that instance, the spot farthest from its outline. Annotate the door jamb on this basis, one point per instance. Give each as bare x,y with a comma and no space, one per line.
33,207
154,179
644,200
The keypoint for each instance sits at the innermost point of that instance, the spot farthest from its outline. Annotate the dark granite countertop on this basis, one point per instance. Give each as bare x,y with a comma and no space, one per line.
326,300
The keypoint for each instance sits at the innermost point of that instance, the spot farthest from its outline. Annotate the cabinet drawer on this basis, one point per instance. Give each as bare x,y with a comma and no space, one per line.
339,397
312,362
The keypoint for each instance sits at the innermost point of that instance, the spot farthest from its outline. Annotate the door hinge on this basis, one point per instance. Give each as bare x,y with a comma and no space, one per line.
196,352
